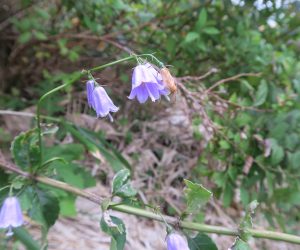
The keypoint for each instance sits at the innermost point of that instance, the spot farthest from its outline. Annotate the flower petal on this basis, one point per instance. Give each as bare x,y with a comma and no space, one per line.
152,91
142,94
176,242
89,92
11,213
102,103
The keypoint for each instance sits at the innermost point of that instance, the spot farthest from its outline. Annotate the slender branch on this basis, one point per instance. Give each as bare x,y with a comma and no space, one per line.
148,214
232,78
198,78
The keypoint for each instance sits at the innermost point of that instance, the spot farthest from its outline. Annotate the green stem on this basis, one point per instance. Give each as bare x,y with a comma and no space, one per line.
38,112
77,76
150,215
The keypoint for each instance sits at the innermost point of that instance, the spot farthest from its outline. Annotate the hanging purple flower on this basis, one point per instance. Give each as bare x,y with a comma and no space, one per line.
147,82
99,100
11,214
176,242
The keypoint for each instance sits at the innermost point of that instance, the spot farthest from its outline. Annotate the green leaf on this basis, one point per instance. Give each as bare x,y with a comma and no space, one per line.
95,147
121,184
239,244
201,242
224,144
196,196
261,94
67,206
25,37
211,31
246,222
277,154
201,19
25,150
191,36
40,35
50,207
44,207
114,227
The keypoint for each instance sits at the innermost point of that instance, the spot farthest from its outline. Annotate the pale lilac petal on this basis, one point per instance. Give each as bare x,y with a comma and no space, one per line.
89,92
142,94
176,242
142,74
11,213
147,82
164,92
133,94
152,91
102,103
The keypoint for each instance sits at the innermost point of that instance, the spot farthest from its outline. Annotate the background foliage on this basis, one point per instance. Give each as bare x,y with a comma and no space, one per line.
248,146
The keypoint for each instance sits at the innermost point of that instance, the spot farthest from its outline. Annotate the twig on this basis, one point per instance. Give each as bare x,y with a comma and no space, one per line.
198,78
232,78
148,214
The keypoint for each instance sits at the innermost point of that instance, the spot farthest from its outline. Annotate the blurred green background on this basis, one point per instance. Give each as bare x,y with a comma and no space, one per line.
239,138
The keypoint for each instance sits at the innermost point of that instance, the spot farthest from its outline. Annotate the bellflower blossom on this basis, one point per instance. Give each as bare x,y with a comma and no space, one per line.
11,214
176,242
99,100
147,82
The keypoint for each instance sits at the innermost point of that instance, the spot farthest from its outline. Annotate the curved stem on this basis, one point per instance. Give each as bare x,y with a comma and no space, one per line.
77,76
150,215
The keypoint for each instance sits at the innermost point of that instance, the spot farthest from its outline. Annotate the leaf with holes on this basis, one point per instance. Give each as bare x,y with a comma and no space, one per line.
121,184
196,196
114,227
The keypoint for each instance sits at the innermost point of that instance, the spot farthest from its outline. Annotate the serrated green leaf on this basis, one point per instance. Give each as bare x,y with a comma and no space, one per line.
25,150
196,196
121,184
201,242
114,227
261,94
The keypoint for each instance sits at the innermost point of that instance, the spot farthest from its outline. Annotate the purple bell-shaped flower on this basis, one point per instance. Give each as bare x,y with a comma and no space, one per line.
99,100
11,214
176,242
147,82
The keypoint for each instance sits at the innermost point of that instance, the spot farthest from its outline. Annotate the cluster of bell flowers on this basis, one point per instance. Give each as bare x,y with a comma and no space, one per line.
11,217
147,83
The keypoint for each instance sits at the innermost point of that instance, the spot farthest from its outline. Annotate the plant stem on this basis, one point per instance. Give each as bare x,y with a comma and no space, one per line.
77,76
148,214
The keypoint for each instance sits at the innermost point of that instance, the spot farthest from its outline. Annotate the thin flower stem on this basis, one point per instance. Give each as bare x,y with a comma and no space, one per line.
77,76
151,215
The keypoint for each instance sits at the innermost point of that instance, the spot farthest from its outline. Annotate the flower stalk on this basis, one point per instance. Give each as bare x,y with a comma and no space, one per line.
77,76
